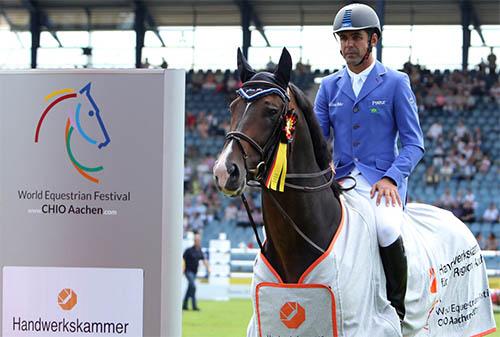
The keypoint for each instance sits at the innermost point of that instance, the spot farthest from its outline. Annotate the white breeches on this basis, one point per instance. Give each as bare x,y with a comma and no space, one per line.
388,218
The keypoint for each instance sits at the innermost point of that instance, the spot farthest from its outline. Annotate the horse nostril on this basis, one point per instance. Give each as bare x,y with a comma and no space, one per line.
233,171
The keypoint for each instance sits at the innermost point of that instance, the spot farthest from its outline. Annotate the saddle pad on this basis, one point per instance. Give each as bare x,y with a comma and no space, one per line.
299,310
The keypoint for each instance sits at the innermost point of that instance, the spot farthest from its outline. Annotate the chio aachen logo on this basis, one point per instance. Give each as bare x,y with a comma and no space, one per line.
83,112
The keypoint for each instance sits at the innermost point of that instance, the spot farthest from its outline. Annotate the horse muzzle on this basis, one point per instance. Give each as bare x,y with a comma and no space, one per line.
229,178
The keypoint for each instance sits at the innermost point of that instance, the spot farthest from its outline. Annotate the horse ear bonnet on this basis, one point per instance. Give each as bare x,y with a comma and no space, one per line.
280,76
245,70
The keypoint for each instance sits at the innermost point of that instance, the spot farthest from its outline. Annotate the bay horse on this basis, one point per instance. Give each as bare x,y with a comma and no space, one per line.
319,271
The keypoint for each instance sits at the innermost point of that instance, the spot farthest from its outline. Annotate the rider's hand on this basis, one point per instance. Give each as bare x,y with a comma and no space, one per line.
386,188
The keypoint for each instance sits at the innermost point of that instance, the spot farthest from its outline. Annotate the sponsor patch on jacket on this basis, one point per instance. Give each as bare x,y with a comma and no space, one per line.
336,104
379,102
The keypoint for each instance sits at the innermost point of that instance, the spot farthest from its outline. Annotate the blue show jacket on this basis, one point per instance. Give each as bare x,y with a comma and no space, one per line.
366,128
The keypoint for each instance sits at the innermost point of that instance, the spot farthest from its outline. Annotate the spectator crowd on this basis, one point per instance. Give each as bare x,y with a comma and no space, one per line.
456,154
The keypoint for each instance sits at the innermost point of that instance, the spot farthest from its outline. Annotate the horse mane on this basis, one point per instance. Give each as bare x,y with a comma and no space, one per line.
321,152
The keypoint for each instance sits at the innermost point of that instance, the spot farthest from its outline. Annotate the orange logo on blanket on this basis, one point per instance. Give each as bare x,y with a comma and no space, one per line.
292,314
432,275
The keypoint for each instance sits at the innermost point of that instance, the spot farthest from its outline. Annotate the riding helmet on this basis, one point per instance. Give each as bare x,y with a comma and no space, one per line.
356,17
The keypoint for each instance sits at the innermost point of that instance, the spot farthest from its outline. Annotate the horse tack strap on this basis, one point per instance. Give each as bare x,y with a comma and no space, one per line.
294,225
240,135
252,222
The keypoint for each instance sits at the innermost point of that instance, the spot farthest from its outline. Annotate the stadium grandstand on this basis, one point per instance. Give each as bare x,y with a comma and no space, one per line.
458,101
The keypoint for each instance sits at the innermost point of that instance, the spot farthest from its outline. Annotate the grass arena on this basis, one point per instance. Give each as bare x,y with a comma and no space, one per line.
229,319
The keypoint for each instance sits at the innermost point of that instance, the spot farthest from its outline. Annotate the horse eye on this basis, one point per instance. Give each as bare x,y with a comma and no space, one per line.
91,113
273,111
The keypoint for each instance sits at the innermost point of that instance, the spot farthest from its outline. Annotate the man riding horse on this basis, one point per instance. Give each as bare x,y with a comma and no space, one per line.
369,106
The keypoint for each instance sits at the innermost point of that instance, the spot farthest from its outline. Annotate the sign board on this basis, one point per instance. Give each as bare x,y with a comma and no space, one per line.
72,301
91,177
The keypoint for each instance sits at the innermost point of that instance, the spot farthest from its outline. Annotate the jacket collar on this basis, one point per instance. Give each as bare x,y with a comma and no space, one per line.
374,80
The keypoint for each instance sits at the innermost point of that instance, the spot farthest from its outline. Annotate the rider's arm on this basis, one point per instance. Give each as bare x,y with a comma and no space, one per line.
410,133
321,110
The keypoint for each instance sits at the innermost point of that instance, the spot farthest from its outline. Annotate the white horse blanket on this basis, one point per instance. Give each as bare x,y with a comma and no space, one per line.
343,293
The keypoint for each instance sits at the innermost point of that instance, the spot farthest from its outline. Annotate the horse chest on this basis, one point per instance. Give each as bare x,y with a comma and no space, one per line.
337,296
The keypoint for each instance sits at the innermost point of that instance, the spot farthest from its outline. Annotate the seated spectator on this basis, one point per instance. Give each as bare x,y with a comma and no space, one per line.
270,66
467,170
197,80
447,201
468,212
484,165
231,212
198,222
431,176
242,218
257,216
491,243
490,215
438,155
190,120
481,241
446,170
460,129
470,197
495,92
209,83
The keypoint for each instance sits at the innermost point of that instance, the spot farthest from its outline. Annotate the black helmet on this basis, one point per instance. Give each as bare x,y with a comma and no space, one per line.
356,17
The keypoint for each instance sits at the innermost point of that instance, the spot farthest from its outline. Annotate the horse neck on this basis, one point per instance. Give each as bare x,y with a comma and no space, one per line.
317,214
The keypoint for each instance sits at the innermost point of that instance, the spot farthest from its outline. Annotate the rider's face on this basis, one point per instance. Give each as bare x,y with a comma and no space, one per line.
353,45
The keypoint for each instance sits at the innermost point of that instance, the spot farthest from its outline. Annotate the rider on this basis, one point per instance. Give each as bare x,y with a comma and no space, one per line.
368,106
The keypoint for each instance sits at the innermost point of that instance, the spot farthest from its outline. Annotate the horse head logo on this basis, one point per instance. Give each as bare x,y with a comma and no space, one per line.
83,113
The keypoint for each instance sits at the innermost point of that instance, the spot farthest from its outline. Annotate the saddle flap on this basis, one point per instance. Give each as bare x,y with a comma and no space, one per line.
302,310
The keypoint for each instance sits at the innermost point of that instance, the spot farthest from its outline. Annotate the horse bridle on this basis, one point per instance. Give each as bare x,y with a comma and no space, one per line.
255,175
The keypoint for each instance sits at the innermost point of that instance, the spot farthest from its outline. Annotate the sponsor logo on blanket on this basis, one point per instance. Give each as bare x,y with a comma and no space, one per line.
292,314
432,275
461,264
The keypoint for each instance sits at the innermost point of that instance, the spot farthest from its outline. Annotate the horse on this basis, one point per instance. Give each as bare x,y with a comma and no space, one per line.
77,119
319,271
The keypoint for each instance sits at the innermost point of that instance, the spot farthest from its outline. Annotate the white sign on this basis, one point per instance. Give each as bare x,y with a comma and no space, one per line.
40,301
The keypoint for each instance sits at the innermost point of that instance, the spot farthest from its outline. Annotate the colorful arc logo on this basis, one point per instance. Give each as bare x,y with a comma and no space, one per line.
67,299
80,98
292,315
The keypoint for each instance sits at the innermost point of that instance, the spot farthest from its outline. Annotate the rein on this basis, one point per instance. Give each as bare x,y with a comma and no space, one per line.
251,91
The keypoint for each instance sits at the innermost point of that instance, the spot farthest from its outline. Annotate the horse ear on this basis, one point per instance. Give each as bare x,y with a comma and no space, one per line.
284,68
245,70
86,88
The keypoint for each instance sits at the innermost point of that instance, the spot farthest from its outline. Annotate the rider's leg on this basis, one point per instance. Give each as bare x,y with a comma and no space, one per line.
388,223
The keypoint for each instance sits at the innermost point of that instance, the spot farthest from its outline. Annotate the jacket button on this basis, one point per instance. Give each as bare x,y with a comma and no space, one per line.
355,109
356,143
355,126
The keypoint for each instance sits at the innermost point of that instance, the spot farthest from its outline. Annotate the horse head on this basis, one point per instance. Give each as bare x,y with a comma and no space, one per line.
84,117
88,109
258,118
